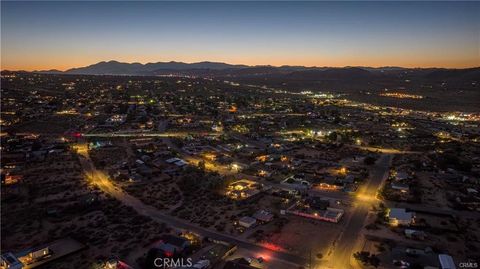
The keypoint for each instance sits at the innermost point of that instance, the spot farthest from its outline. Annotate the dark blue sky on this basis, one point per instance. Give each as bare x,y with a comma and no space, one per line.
38,35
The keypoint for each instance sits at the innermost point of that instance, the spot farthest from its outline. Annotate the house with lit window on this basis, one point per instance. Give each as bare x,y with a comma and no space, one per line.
171,245
402,187
400,216
9,261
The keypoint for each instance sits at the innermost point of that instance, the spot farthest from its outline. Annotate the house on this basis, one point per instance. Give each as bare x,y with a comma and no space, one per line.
296,182
472,191
145,158
181,163
264,173
112,264
263,216
317,203
40,253
243,189
218,252
157,163
333,214
414,234
43,254
401,175
446,261
417,252
399,216
9,179
173,160
247,222
202,264
171,244
144,170
329,214
177,161
348,179
9,261
116,120
239,263
400,186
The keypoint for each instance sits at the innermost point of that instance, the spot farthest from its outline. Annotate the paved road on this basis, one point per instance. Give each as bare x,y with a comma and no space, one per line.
349,239
434,210
351,197
149,134
104,183
385,150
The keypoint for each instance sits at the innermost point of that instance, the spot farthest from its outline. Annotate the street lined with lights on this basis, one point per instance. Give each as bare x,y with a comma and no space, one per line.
101,180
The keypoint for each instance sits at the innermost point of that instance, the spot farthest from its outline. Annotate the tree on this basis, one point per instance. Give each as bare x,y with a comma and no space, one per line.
362,256
366,258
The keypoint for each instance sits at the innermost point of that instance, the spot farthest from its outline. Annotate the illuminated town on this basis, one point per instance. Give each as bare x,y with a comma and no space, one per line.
221,166
285,177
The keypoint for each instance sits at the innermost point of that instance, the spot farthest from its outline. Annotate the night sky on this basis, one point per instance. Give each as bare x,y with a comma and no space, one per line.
61,35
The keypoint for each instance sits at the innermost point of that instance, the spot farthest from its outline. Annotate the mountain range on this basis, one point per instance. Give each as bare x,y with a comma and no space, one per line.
219,69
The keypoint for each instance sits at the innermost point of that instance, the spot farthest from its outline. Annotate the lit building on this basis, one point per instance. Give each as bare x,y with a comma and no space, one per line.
9,261
399,216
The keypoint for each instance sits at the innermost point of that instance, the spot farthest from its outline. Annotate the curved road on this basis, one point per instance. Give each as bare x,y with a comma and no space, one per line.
105,184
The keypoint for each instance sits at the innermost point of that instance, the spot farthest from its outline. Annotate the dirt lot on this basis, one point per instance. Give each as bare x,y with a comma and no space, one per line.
54,201
302,236
457,237
433,191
